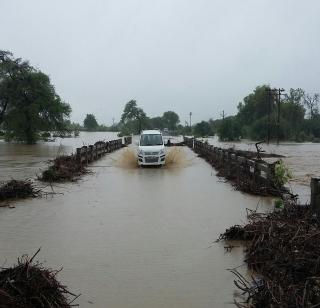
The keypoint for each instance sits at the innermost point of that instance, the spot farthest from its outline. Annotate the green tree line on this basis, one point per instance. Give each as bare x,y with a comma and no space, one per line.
295,118
30,108
134,119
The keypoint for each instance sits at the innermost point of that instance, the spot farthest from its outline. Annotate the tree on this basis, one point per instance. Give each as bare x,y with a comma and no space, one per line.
254,106
311,101
202,129
293,112
157,123
229,129
28,101
10,70
214,125
170,120
90,123
132,113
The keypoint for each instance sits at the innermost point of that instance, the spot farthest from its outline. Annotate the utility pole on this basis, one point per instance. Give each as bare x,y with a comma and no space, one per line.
273,94
278,91
190,114
113,121
222,114
269,91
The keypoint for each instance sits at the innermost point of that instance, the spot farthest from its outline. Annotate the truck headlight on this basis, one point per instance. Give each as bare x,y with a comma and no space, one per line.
140,152
161,152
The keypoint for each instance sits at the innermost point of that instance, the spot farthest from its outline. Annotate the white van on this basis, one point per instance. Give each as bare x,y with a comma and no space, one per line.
151,148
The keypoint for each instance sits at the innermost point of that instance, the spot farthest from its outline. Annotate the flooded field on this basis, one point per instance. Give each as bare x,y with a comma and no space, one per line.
130,237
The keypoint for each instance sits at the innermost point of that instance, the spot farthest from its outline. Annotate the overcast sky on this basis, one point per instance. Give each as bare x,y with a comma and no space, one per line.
202,56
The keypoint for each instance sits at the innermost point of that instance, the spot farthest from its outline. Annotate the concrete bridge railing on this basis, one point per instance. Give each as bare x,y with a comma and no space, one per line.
235,163
87,154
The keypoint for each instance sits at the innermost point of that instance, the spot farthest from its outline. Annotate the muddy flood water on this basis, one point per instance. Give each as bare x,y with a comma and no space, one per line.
128,237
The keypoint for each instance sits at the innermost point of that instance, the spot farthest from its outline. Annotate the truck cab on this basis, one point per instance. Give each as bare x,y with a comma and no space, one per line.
151,149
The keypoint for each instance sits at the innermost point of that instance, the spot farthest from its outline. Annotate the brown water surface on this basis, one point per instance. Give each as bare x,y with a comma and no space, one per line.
129,237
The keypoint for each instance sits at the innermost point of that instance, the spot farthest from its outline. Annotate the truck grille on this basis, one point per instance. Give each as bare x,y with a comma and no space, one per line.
151,159
151,153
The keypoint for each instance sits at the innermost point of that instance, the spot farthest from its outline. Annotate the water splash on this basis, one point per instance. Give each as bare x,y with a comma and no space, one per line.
127,159
175,158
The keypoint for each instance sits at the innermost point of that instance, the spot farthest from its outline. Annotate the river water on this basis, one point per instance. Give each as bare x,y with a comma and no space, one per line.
129,237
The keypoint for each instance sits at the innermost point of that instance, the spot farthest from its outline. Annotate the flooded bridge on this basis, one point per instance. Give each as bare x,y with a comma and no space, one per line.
127,236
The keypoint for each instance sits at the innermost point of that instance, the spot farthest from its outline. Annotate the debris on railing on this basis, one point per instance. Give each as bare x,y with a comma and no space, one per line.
70,168
241,168
63,168
29,284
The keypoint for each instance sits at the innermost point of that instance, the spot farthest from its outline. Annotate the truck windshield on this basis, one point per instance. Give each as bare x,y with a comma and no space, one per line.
148,140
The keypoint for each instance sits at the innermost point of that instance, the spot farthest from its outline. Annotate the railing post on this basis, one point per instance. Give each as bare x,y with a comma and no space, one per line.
270,175
78,155
256,173
238,169
89,153
315,195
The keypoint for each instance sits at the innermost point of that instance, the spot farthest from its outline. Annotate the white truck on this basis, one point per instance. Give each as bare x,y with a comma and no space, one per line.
151,149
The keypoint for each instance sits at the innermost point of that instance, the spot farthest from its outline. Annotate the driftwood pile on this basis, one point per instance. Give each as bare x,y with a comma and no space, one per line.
283,252
29,285
18,189
63,168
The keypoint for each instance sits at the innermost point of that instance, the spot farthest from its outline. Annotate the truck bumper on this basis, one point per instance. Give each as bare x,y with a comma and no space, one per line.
151,160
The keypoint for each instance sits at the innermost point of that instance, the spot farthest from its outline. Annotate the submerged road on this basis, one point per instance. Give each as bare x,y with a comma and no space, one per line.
132,238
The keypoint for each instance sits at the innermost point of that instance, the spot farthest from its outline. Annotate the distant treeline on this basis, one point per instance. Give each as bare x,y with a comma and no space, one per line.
294,117
263,114
30,109
133,120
